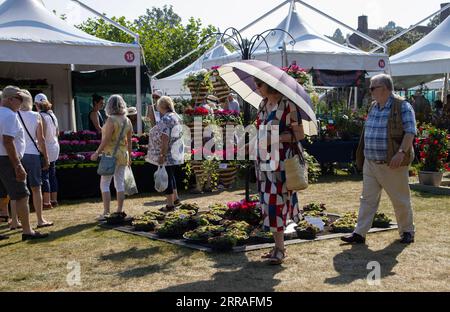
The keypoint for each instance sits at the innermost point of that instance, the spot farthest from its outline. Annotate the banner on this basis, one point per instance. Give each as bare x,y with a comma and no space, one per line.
335,78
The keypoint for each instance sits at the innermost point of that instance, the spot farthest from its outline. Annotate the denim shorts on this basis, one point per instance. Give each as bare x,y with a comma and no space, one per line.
32,165
8,184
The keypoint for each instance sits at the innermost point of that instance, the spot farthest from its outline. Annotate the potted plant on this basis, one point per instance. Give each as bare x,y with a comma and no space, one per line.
198,84
345,224
144,223
432,144
306,230
381,220
220,87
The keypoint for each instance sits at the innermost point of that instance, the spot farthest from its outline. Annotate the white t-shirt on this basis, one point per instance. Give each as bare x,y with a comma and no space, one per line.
11,126
30,119
51,135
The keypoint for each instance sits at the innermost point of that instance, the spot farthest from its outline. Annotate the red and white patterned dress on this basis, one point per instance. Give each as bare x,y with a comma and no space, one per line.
277,204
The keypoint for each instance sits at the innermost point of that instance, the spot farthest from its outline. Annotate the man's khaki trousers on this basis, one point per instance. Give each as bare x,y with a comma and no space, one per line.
395,182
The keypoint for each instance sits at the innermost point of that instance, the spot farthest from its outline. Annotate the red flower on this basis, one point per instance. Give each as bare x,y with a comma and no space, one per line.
435,142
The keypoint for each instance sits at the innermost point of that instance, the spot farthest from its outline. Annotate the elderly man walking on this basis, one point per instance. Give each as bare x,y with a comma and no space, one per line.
384,153
12,148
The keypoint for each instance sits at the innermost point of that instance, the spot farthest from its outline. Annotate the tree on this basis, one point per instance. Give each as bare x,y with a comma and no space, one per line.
338,37
163,37
434,21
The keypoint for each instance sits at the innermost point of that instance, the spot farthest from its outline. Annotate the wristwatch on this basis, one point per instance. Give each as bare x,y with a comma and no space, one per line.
401,151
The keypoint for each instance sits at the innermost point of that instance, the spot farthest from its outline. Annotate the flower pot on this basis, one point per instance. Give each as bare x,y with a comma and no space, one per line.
430,178
305,234
198,91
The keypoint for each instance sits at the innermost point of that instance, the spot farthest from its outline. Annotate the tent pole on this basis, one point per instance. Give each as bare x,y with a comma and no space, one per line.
72,116
445,93
138,98
356,99
263,16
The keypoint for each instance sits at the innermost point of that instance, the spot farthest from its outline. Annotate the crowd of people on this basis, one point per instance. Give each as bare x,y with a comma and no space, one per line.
29,148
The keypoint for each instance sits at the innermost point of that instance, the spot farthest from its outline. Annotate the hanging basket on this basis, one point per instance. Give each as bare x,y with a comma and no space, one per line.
198,91
221,89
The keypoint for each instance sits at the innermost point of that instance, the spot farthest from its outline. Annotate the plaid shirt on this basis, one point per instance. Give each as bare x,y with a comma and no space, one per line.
375,133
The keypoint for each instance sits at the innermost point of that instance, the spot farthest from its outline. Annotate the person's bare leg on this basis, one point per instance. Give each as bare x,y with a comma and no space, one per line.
37,203
175,194
23,212
170,200
46,198
106,197
54,197
4,207
14,219
120,200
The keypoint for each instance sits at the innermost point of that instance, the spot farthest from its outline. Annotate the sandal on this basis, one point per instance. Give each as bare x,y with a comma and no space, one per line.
269,254
167,208
278,256
54,203
46,224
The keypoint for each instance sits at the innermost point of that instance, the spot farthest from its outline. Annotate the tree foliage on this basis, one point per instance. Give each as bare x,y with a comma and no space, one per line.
338,36
163,37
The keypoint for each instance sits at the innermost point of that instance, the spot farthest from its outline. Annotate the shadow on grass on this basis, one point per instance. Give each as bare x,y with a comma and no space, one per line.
68,231
152,268
234,273
132,253
351,264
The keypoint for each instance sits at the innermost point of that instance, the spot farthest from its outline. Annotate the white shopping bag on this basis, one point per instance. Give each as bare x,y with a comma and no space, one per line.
161,179
130,183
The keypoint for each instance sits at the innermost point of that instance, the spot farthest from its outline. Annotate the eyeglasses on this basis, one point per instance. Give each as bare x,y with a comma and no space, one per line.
373,88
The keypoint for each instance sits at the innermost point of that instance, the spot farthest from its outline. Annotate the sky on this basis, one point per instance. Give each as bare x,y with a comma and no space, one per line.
239,13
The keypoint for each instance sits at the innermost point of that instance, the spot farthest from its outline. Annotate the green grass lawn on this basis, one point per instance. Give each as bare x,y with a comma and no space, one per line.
114,261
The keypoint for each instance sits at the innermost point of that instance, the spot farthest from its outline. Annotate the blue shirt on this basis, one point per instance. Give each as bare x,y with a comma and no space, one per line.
234,105
375,133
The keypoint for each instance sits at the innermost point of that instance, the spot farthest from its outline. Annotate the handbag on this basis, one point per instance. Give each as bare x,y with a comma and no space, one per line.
107,164
296,169
41,156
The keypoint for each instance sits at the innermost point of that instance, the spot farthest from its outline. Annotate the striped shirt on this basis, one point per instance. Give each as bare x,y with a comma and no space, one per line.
375,133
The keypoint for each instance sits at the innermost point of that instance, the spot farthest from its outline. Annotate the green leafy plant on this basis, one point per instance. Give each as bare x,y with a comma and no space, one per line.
314,169
222,243
381,220
306,230
345,224
144,223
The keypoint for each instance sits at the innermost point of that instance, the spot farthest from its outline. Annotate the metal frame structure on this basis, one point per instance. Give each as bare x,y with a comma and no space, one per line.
138,67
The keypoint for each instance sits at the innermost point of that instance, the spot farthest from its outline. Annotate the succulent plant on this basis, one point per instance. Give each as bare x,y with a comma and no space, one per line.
157,215
222,243
345,224
190,206
238,225
203,233
381,220
306,230
238,235
218,209
145,225
320,207
177,223
116,218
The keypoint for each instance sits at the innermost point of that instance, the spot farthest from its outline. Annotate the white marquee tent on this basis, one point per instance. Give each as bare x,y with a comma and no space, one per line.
36,44
427,59
311,50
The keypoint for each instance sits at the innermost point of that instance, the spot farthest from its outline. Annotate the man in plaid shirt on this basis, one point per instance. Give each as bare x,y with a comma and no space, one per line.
387,142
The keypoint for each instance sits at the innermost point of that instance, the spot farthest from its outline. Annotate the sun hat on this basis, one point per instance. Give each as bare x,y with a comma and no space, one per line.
131,111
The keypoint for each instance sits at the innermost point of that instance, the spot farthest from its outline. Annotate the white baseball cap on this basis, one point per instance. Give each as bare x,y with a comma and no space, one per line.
40,98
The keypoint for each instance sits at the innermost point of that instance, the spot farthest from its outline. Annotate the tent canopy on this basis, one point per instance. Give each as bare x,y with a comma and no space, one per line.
35,44
313,50
427,59
29,33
